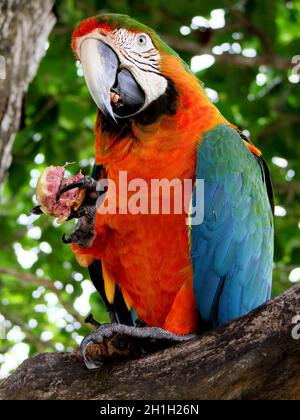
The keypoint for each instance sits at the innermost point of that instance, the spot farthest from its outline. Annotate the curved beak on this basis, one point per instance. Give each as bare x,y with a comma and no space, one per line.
115,91
100,65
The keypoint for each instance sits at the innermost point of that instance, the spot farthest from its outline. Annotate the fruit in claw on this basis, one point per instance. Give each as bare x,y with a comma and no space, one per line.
50,183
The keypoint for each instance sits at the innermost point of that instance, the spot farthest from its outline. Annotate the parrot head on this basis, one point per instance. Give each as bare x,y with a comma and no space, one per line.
127,67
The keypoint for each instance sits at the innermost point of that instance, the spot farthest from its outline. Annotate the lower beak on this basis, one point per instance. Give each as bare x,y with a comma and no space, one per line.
105,80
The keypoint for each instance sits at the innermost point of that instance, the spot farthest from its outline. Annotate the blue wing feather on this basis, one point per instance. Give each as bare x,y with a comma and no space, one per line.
232,250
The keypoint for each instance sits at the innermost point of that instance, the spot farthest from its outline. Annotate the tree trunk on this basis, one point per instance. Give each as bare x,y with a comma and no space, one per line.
255,357
24,29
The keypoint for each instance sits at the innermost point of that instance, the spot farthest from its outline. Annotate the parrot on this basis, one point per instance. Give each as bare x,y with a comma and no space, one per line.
159,275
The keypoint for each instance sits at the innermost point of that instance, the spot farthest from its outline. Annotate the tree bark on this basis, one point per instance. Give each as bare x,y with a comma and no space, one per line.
24,29
255,357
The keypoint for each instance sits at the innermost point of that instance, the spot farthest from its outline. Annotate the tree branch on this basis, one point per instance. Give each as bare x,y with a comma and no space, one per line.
32,338
255,357
48,284
250,27
24,28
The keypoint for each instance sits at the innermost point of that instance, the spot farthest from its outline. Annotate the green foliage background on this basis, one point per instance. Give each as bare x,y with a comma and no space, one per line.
58,127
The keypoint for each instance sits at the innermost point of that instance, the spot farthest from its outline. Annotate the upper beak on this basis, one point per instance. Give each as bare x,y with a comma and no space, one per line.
104,77
100,65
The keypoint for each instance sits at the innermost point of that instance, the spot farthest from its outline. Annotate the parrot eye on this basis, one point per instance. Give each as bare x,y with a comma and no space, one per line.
142,40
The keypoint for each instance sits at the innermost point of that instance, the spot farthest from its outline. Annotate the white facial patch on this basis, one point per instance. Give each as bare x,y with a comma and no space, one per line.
138,54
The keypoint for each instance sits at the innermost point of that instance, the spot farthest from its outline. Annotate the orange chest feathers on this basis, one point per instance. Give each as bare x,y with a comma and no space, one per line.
146,254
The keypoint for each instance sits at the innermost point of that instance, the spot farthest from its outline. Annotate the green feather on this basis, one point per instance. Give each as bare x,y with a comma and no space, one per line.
124,21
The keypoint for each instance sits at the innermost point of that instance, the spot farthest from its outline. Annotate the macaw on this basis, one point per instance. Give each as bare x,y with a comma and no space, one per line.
159,276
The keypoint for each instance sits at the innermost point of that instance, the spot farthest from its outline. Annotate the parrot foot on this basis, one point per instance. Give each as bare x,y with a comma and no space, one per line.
84,233
115,340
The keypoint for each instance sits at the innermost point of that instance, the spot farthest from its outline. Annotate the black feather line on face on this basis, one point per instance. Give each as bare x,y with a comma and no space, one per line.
166,104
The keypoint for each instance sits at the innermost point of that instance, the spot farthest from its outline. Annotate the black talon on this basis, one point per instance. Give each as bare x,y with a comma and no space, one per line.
91,320
77,214
36,210
66,240
72,216
79,184
86,182
140,324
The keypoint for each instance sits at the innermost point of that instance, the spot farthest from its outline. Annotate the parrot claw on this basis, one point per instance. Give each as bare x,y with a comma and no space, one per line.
88,183
108,332
83,211
36,211
90,364
90,320
66,240
84,233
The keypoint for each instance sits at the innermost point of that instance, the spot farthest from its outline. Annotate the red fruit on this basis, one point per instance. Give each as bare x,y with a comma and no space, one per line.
49,184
